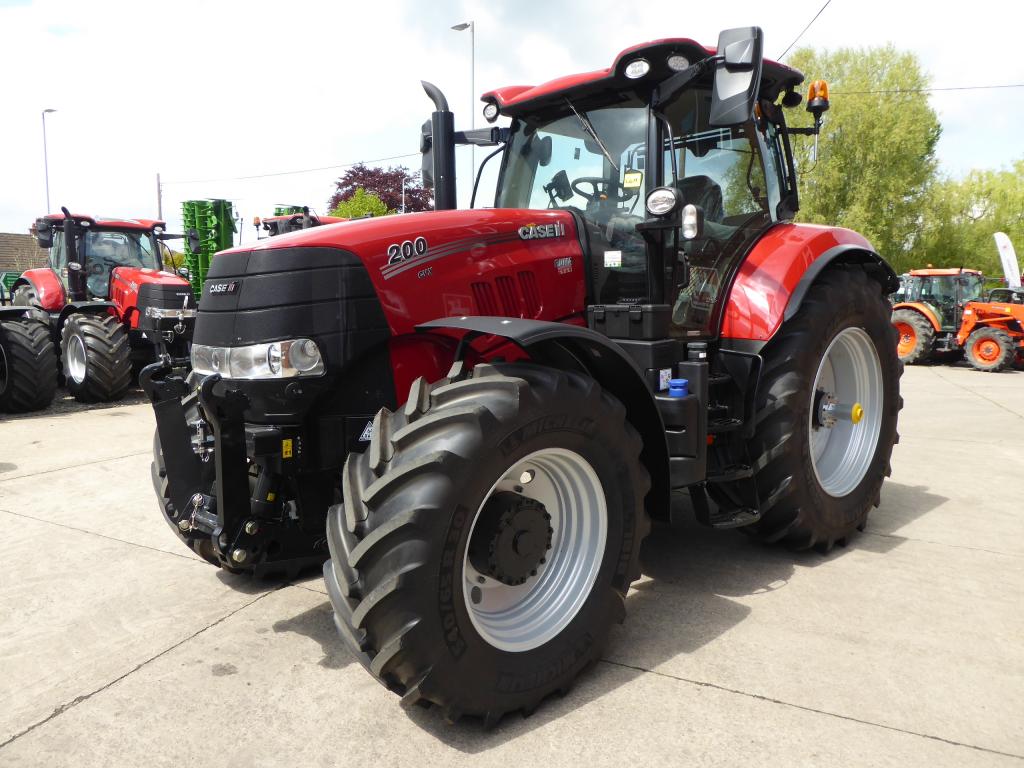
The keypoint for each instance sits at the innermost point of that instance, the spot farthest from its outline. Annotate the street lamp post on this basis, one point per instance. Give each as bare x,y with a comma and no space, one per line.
46,160
471,26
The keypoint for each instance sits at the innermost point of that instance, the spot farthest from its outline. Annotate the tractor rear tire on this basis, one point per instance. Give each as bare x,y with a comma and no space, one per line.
96,358
408,553
916,336
28,367
990,350
815,493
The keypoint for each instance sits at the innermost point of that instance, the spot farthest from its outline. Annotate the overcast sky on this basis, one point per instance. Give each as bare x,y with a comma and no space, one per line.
211,90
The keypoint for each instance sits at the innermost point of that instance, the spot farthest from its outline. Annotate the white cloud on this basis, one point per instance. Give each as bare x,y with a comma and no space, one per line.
204,90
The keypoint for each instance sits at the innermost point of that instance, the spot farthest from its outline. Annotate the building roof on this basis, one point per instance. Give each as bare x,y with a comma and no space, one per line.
20,252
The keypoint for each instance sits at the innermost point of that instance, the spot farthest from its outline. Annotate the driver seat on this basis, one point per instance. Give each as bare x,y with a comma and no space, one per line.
703,191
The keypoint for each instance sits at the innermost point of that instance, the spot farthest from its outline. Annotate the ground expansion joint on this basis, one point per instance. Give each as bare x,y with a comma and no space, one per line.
74,466
85,697
102,536
770,700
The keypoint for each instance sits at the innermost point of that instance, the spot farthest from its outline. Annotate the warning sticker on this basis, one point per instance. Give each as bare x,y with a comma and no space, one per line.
286,448
633,180
613,259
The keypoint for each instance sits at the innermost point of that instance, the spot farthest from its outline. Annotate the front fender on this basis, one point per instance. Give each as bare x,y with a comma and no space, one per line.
89,307
562,345
771,283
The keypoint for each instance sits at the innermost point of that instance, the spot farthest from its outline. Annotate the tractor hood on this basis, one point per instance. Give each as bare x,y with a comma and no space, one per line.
423,266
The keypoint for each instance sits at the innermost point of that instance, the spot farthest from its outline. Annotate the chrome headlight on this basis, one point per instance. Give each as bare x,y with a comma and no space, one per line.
161,312
276,360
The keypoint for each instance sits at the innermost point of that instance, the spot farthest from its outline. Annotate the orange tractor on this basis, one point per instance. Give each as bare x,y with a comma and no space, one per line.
992,331
928,310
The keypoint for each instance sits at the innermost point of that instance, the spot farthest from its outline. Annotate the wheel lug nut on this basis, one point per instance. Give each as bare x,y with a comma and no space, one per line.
252,527
239,555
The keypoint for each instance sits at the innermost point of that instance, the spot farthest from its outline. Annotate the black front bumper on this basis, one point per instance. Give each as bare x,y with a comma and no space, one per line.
234,492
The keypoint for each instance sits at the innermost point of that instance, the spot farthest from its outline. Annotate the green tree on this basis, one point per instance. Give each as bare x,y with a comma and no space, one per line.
876,153
960,216
360,204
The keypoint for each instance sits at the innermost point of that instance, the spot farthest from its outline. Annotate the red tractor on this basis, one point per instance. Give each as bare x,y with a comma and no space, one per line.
484,408
292,222
28,371
111,306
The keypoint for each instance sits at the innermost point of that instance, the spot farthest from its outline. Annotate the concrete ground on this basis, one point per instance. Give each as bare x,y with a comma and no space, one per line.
118,647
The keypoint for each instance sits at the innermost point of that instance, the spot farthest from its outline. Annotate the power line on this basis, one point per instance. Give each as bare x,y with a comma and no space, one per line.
929,90
804,29
291,173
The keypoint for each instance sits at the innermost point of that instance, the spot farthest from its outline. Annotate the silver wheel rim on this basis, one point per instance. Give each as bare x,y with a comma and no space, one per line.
76,359
520,618
851,374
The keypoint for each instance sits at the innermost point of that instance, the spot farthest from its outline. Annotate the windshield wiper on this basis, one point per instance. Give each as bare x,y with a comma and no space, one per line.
585,122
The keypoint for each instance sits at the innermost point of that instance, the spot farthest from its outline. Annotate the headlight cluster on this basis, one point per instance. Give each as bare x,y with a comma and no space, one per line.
276,360
162,312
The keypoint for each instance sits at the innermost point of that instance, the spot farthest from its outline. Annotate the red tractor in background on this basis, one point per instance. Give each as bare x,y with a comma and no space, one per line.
28,371
293,222
111,306
476,413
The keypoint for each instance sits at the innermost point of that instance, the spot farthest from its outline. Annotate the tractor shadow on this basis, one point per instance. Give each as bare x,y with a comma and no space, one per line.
686,599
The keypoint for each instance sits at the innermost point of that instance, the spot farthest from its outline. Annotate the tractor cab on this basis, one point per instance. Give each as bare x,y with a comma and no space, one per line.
941,294
673,162
98,247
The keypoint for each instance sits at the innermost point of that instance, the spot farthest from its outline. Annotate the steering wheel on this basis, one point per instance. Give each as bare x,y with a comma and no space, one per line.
596,183
97,268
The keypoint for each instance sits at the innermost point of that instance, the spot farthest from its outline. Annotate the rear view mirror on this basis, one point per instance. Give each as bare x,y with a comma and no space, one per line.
737,76
544,151
194,243
45,238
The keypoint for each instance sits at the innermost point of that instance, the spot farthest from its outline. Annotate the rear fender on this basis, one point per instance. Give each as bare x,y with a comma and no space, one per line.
924,309
572,347
773,280
49,289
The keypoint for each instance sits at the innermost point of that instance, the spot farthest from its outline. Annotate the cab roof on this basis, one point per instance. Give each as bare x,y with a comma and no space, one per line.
102,222
519,99
942,272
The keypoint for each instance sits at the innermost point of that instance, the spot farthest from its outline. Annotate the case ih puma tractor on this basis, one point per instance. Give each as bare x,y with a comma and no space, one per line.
110,305
475,413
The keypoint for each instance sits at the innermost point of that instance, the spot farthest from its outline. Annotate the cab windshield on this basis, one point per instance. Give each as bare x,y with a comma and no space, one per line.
593,161
107,250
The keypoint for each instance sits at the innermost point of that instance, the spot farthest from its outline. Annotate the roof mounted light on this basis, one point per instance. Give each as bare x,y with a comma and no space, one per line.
637,68
677,63
490,112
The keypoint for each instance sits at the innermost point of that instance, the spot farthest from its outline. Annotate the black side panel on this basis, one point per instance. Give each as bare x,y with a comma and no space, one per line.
253,297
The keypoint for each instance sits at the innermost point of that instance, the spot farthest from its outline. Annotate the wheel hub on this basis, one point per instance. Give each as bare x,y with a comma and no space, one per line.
511,538
76,359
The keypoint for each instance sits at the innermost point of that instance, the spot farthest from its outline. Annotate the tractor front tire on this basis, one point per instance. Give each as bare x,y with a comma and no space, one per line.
916,336
817,483
28,368
96,357
487,538
990,349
